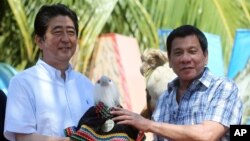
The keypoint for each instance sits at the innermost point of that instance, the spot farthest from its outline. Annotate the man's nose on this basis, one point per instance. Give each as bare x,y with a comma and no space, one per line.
65,37
186,57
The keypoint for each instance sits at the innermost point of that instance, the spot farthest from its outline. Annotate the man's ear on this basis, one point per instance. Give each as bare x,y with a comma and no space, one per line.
169,61
39,41
206,57
169,64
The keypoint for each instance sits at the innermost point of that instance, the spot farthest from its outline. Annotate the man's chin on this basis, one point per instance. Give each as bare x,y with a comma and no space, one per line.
188,76
65,58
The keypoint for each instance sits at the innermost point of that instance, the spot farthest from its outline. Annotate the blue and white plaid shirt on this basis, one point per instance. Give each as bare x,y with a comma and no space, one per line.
207,98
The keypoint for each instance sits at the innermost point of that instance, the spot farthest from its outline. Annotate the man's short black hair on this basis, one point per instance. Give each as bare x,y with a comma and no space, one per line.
47,12
186,30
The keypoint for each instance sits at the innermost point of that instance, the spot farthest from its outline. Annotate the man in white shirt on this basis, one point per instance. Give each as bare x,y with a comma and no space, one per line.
50,96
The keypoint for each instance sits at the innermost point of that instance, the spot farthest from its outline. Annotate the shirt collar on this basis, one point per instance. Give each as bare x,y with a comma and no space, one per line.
53,72
205,79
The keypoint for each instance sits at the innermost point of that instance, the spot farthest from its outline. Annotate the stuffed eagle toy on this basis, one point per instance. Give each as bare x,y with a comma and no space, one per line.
157,73
97,124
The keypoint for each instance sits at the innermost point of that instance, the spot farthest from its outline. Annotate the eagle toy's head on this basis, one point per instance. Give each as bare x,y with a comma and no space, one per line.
105,91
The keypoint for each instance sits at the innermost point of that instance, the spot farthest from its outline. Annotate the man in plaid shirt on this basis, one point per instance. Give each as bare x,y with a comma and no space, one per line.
197,105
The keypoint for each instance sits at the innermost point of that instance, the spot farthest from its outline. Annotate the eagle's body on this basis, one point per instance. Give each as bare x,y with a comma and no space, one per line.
97,124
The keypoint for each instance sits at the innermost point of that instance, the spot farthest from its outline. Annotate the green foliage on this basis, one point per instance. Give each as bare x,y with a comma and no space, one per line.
136,18
93,15
220,17
131,18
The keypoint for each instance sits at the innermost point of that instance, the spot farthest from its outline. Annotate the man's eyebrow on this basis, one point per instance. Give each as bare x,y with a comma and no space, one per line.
60,27
71,27
177,48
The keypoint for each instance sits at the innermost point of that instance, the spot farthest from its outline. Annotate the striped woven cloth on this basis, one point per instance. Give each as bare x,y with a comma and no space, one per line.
93,127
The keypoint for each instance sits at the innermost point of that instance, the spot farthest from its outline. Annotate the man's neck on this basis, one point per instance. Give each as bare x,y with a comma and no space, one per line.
62,66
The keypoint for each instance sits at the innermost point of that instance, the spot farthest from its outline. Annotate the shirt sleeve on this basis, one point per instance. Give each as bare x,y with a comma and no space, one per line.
225,104
19,108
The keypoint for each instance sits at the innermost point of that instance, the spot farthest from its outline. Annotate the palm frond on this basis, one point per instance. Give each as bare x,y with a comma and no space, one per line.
138,18
93,16
24,28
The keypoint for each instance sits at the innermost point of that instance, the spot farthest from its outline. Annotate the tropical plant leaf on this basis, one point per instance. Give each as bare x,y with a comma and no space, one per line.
220,17
138,18
92,20
24,28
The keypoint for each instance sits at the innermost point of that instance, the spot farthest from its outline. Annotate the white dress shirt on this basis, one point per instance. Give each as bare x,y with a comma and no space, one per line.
40,101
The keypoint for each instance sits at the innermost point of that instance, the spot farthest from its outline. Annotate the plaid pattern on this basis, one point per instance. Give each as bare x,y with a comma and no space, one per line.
207,98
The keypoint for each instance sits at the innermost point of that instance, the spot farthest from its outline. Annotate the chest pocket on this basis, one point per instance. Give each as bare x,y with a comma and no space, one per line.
194,115
193,111
198,116
199,107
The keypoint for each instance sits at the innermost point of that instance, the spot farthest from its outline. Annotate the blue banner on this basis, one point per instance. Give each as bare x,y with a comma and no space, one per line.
240,53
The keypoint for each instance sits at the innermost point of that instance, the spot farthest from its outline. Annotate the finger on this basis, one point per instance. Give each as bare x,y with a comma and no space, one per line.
121,117
126,122
118,112
117,108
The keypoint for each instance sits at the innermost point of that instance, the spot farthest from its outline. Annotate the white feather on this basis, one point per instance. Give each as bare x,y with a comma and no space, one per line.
106,91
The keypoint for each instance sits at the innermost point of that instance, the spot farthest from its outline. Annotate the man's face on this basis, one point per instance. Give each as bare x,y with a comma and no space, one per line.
187,58
60,40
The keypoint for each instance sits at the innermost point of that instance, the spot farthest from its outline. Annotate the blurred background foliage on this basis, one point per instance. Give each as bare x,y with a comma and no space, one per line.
137,18
140,19
243,82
